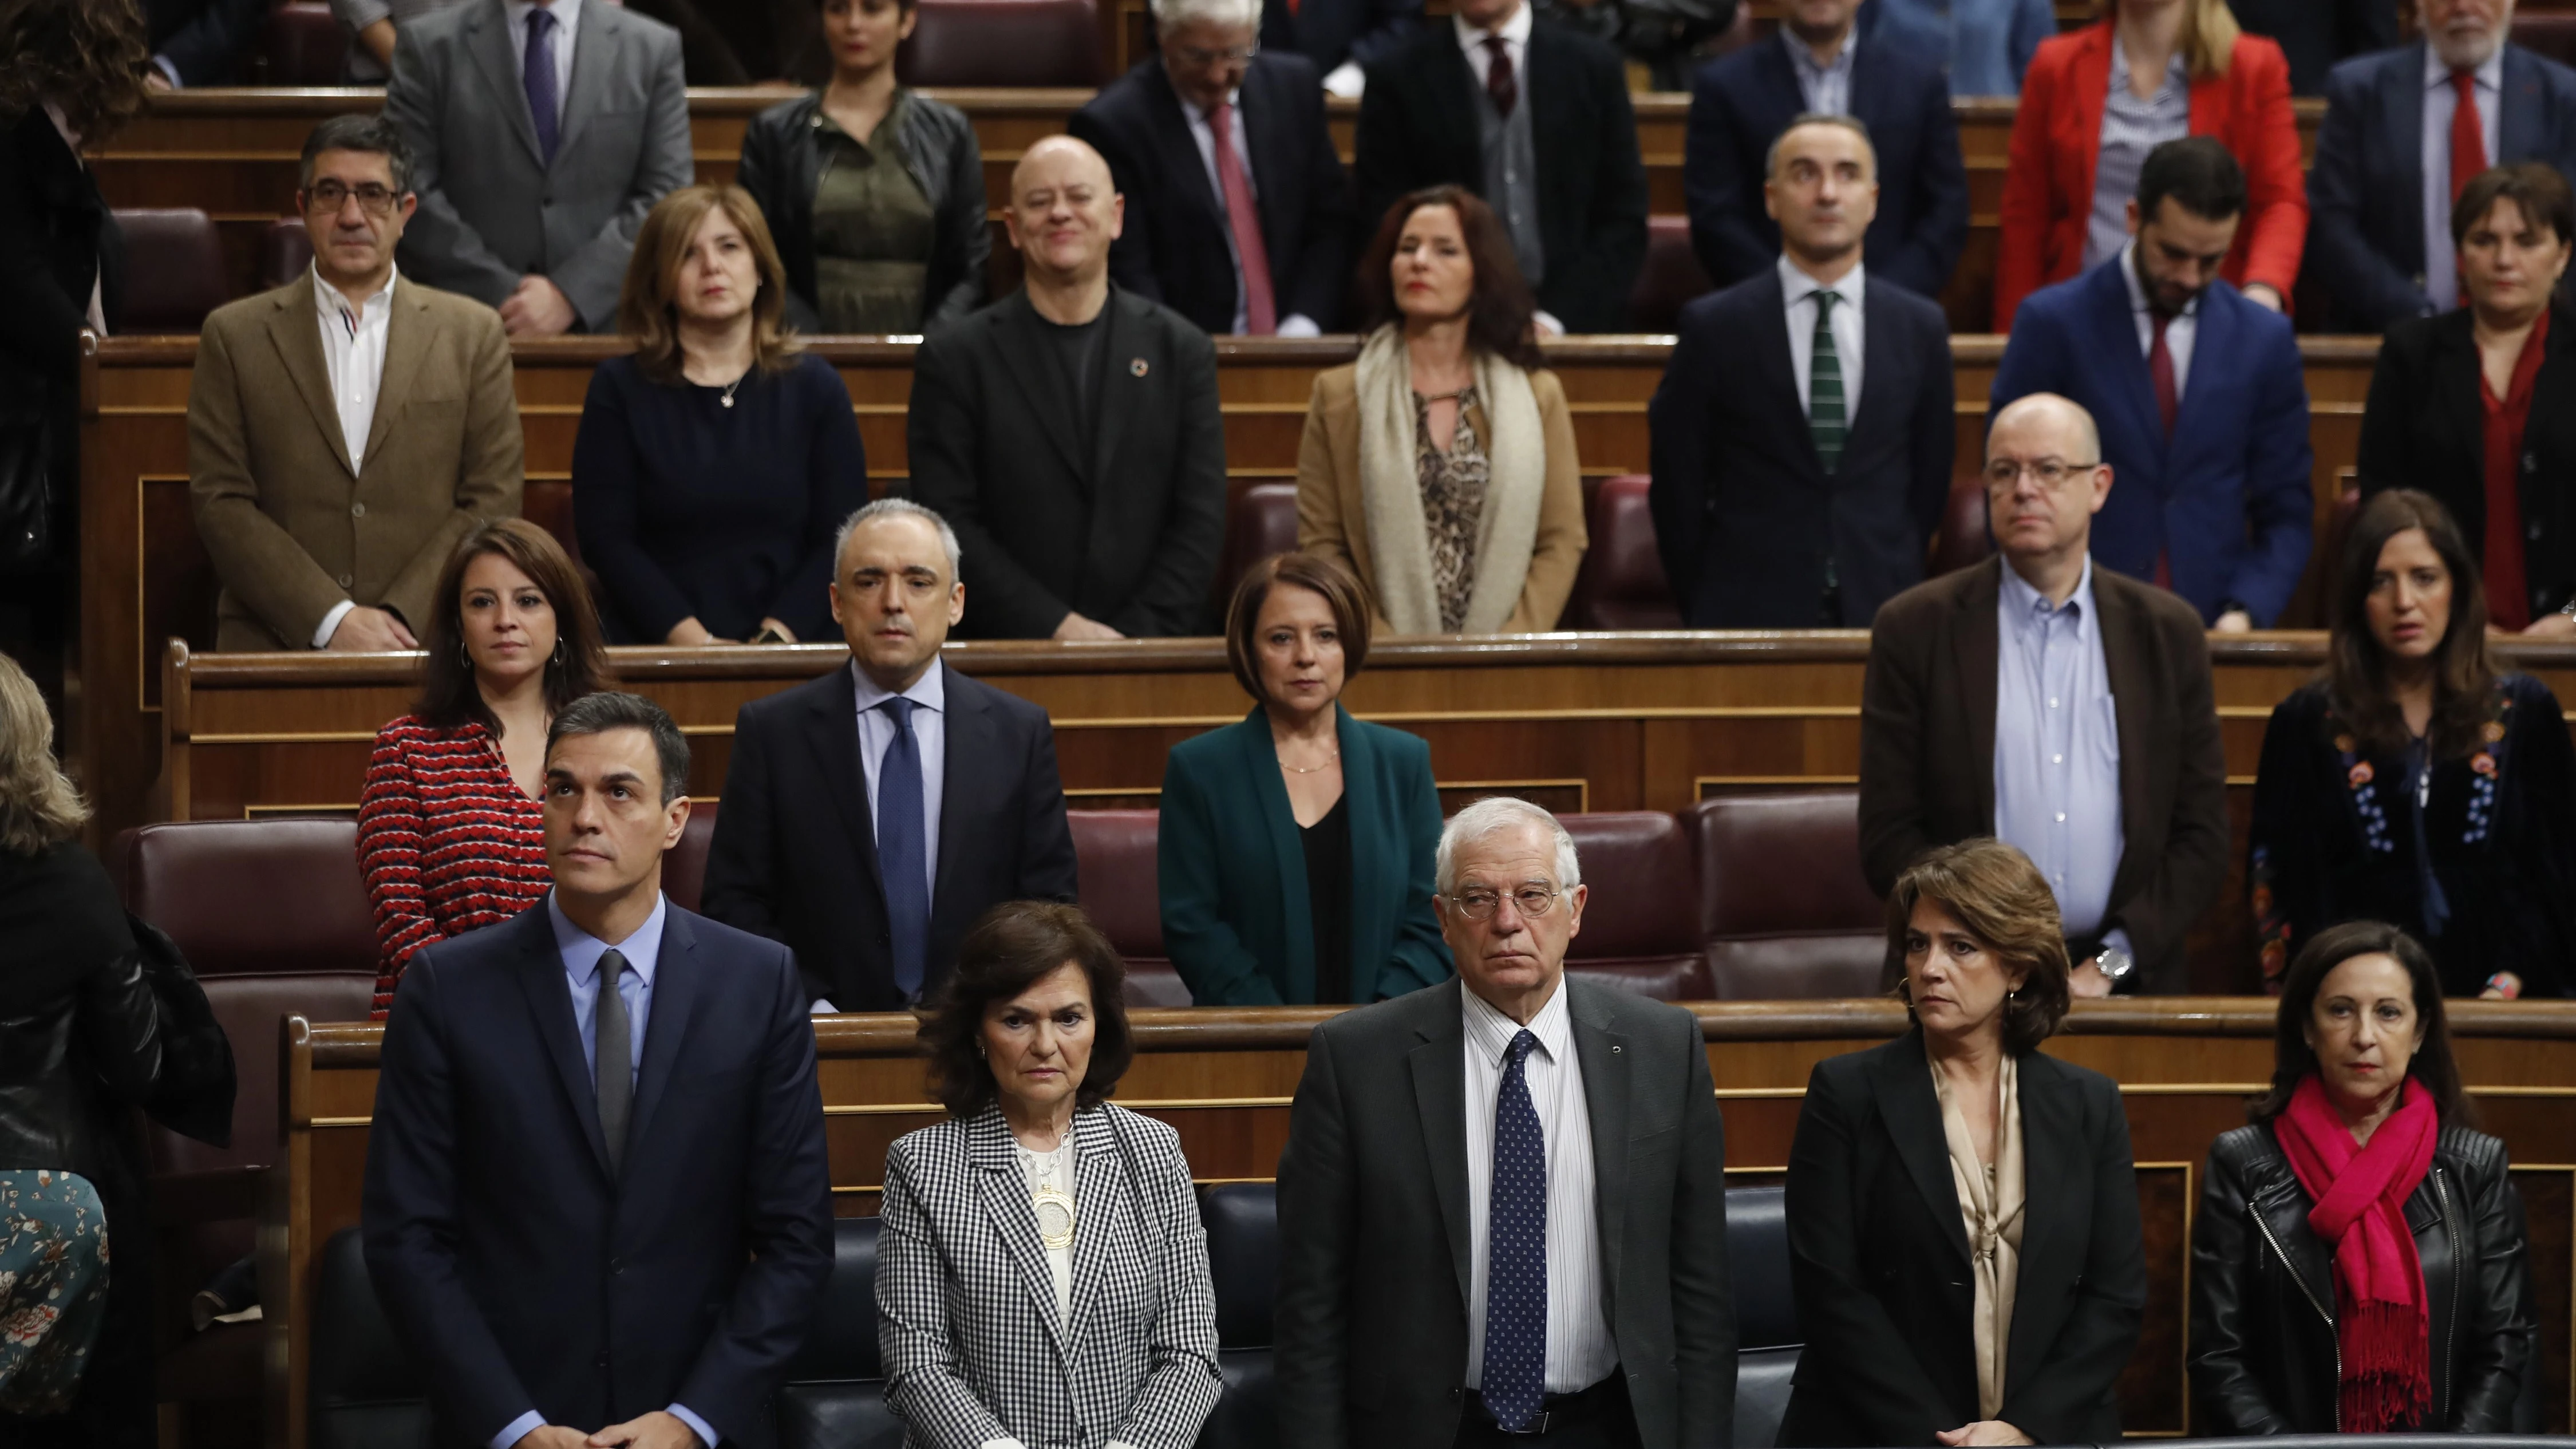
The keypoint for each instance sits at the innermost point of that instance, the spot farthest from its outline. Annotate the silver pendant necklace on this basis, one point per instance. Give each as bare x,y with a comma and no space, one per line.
729,390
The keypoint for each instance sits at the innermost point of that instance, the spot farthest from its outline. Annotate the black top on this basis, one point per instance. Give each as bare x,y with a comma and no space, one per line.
1076,347
79,1032
2337,837
685,506
1328,895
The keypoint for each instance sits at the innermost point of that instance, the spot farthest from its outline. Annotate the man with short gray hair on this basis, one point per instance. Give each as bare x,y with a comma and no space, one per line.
1503,1202
1238,210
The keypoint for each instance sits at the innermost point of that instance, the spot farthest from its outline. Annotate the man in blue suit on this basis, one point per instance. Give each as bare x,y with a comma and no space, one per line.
1821,65
2380,193
2200,398
597,1207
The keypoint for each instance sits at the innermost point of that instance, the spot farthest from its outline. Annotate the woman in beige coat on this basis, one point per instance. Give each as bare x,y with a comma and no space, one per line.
1440,467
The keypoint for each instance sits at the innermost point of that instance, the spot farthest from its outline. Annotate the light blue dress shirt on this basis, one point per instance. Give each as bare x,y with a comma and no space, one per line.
2130,129
929,732
1826,89
1988,43
2441,103
567,21
581,952
2057,747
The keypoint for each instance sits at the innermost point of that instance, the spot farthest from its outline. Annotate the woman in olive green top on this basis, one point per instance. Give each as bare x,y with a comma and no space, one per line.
874,192
1296,847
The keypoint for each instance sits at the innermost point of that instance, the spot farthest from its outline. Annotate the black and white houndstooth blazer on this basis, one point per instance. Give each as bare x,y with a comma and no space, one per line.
966,1315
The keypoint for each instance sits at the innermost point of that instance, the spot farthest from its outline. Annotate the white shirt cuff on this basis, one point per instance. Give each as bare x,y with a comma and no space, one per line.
331,626
2117,938
706,1432
1298,324
519,1428
1347,80
823,1008
1548,326
169,71
1001,1444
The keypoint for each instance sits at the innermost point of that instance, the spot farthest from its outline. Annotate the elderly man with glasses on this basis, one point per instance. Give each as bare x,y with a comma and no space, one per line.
1502,1207
2062,708
346,429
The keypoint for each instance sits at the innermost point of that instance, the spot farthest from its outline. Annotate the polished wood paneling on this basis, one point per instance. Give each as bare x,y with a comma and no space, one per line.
1224,1078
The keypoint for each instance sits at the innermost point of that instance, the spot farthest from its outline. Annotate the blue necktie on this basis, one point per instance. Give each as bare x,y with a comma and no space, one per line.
903,856
1515,1367
539,77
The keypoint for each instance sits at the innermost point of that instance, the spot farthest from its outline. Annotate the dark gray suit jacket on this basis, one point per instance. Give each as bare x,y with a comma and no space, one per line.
491,210
1371,1314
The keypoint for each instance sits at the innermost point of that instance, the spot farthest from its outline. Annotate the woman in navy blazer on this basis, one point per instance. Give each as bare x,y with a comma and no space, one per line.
1328,897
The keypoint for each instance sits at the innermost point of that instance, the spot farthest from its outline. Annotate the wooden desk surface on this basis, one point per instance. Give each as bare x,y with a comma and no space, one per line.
1224,1079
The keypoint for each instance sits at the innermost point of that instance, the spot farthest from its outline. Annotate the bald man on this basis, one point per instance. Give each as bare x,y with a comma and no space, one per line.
2062,708
1069,432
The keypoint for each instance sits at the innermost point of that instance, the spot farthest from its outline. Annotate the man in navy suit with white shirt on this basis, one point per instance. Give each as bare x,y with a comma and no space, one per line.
597,1204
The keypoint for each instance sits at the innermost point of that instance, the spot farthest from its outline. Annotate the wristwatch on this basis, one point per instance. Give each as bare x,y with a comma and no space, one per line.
2115,964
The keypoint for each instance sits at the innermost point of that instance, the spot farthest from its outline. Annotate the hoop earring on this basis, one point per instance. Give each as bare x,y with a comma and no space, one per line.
461,656
559,649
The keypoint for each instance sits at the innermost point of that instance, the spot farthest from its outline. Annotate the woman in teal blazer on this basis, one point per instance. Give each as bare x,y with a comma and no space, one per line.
1295,848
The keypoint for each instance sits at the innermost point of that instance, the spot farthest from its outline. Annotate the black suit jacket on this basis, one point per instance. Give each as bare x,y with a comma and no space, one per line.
1927,748
1878,1256
519,1271
795,856
1371,1317
206,40
1175,247
2425,428
1745,515
1418,128
2317,35
2366,188
1329,32
1126,532
1741,104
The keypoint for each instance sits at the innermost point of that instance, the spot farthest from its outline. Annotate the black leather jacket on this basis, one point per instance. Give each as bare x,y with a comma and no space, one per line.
781,165
80,1032
2264,1355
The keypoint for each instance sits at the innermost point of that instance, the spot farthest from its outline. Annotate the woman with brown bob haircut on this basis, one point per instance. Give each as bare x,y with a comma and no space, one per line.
1037,1178
714,462
1440,468
451,836
1296,847
1963,1212
2414,782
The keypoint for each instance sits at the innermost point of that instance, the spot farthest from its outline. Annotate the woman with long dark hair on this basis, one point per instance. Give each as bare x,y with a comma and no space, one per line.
2415,782
1440,468
2358,1261
450,834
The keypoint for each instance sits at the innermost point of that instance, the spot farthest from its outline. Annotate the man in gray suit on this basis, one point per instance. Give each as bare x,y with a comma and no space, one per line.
1553,1145
544,130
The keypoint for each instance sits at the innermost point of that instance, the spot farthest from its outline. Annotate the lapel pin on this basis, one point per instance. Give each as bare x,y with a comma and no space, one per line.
1138,367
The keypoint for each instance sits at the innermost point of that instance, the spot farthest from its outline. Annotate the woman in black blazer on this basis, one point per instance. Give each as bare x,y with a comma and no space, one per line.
1963,1211
875,191
2478,406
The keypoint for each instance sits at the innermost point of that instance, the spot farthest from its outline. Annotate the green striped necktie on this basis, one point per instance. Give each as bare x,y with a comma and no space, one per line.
1826,423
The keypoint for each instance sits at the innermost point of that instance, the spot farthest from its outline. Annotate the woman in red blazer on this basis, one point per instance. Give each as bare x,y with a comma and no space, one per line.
2240,93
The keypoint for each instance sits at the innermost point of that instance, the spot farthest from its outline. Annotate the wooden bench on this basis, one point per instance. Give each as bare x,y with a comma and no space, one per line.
1224,1078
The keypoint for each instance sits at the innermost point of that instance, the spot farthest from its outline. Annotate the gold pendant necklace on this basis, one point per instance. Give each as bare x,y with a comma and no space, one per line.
1052,1204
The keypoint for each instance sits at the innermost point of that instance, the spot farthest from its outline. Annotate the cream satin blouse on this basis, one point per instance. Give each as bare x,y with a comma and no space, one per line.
1990,1199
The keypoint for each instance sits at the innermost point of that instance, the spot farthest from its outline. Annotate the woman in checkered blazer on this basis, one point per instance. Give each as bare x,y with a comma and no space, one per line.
1042,1276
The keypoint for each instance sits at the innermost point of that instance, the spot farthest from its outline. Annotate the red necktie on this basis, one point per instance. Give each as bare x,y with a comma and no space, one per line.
1243,219
2468,134
1503,87
2168,402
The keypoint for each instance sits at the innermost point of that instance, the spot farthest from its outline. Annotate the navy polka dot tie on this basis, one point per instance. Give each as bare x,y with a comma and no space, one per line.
1515,1367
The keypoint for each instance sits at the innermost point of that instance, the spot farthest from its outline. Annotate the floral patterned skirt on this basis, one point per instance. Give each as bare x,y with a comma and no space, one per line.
53,1287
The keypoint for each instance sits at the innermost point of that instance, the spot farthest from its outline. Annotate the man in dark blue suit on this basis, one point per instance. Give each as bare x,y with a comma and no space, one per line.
2199,395
1819,64
1342,37
1803,433
596,1196
1211,117
2380,193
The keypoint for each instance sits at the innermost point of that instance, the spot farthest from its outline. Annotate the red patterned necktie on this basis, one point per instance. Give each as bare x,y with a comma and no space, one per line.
1500,83
1243,219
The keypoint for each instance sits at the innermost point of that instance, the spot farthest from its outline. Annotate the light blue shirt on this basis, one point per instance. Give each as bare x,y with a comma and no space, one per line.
581,952
2441,104
1988,43
2130,129
567,20
2057,747
1826,89
930,731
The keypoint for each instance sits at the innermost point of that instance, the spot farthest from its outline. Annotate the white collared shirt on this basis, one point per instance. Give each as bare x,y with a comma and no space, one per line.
1798,292
1514,33
1580,1350
2180,332
353,354
567,20
2441,105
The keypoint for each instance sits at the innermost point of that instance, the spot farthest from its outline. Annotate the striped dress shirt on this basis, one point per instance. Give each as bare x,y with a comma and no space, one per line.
1580,1351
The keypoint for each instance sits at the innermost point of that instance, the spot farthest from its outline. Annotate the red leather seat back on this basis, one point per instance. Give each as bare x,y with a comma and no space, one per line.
1262,521
1671,276
1789,913
174,270
1621,584
255,897
1963,540
1003,43
684,868
1641,917
1120,890
285,251
304,46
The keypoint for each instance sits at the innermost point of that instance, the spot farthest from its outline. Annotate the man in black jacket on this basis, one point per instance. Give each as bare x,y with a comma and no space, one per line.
2317,35
1070,432
1211,127
1535,119
870,816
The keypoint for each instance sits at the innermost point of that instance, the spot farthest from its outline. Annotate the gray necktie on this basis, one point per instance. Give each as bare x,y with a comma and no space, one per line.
612,1061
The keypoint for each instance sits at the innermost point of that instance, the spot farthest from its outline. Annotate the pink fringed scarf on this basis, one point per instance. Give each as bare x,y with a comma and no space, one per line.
2360,1195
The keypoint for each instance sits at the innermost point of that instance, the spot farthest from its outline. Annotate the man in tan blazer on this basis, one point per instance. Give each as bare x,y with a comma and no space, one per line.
346,429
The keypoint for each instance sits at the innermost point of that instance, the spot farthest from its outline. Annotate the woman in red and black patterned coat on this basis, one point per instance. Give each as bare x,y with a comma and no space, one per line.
450,837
